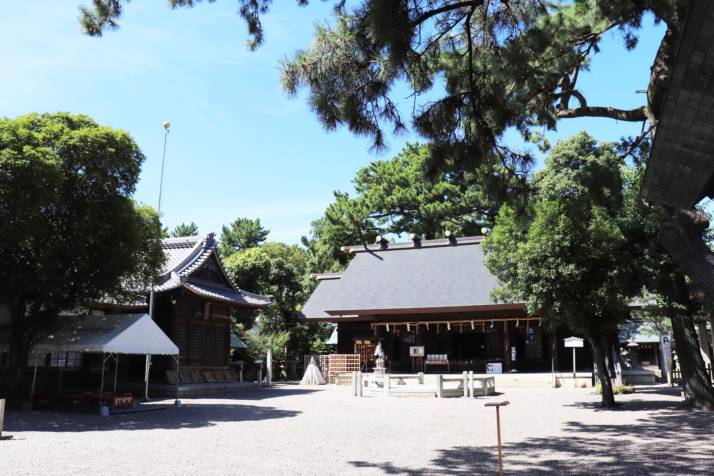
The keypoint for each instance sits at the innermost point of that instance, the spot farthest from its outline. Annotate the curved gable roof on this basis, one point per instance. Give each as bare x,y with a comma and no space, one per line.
186,255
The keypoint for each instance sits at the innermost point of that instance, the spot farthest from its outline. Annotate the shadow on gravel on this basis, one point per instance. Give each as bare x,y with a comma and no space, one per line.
188,415
671,440
279,390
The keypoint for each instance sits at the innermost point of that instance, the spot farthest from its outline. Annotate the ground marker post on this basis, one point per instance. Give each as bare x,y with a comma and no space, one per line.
2,420
498,406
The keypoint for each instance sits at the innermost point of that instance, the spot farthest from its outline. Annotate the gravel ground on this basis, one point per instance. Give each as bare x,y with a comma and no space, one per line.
324,430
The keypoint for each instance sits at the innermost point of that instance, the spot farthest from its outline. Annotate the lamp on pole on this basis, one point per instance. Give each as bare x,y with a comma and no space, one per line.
147,363
167,125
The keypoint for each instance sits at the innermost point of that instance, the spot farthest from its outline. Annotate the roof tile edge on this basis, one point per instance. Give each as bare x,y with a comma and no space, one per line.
409,245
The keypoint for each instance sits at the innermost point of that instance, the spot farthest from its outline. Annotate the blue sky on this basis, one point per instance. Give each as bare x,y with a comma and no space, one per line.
238,146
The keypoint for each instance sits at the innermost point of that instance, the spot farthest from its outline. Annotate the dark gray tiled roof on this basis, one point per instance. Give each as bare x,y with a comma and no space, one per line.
184,256
680,166
322,298
405,277
239,297
187,254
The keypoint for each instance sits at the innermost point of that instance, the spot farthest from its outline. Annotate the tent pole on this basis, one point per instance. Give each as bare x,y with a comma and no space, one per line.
147,366
116,370
34,379
101,382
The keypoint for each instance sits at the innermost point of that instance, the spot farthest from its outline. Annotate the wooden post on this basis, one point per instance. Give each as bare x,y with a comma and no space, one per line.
466,383
471,383
439,385
386,384
2,420
420,376
498,432
575,381
2,414
354,384
359,384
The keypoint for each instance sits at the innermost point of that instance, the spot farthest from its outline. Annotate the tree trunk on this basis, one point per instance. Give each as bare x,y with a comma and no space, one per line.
603,374
704,346
695,381
682,237
697,388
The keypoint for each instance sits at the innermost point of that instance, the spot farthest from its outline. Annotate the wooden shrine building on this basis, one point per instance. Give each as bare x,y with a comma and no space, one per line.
193,305
432,297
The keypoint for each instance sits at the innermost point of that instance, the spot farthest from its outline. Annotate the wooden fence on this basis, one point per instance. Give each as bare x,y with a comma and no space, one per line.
676,376
336,368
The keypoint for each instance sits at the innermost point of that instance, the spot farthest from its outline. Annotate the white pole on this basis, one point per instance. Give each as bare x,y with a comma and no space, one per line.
101,382
2,415
34,379
163,159
116,371
147,366
269,367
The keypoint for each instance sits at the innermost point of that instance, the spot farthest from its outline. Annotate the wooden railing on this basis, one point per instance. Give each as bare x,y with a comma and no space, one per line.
675,376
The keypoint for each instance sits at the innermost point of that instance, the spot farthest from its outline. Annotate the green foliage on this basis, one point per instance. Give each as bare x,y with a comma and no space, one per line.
278,270
568,258
71,233
619,389
242,234
398,196
104,15
183,229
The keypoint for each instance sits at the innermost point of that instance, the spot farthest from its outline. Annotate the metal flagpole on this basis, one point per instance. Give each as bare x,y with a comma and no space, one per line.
163,160
152,299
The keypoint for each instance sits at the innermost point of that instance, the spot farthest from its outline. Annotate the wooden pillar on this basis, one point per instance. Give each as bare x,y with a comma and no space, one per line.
506,347
466,383
439,386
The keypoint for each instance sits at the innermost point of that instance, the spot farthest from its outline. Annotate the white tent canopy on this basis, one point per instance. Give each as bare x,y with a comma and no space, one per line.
108,334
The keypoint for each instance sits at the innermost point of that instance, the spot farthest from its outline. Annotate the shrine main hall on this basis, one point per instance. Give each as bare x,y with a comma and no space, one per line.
429,302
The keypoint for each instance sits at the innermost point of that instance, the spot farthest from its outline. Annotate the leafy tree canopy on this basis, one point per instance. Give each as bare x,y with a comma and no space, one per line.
568,257
279,270
242,234
398,196
183,229
71,232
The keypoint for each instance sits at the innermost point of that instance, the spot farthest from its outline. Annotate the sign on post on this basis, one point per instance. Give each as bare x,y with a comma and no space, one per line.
494,368
665,343
416,351
574,343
